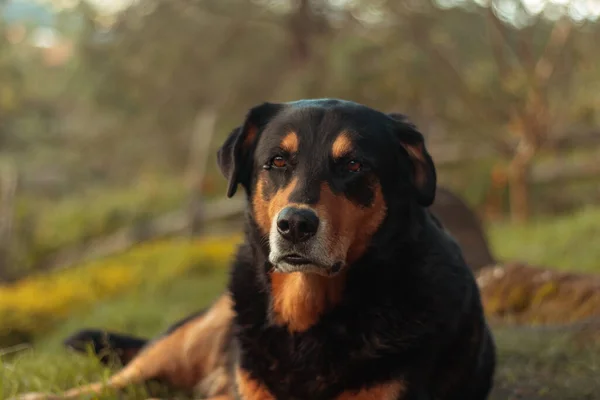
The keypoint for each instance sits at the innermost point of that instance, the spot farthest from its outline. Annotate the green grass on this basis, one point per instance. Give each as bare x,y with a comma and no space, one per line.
146,312
44,226
535,363
539,364
33,306
569,242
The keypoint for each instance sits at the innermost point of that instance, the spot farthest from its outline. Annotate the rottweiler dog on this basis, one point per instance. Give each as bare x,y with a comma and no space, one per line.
345,286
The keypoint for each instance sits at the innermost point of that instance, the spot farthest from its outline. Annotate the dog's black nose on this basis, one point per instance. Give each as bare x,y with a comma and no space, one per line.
297,224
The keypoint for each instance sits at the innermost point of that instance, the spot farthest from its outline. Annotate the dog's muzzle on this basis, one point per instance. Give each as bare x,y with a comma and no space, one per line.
298,243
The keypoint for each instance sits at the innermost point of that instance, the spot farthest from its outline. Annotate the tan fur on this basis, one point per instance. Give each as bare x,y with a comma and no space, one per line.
300,299
341,146
388,391
265,211
250,136
352,226
290,142
415,152
250,389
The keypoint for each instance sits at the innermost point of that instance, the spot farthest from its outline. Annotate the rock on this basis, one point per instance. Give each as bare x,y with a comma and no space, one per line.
520,293
462,222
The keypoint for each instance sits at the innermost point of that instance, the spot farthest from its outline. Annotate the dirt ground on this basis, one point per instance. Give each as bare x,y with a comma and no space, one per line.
539,364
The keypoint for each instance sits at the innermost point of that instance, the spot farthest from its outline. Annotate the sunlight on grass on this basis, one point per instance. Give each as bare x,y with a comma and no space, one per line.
34,305
145,312
570,242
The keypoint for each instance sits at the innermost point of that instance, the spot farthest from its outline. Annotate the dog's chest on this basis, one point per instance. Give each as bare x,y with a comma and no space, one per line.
290,364
308,366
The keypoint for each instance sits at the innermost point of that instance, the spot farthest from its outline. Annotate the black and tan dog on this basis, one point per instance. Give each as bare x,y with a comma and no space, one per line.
345,286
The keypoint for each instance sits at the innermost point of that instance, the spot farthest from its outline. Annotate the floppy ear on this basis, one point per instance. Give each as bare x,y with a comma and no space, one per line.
235,155
424,174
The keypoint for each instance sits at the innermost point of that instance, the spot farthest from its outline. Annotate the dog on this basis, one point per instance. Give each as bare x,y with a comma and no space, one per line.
345,286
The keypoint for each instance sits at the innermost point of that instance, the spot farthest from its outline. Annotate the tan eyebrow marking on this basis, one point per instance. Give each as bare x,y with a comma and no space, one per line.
290,142
342,145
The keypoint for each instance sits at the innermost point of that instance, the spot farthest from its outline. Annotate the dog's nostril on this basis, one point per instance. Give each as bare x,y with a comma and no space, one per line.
297,224
283,225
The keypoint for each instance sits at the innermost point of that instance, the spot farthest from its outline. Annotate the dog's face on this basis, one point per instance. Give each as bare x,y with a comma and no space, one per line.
321,176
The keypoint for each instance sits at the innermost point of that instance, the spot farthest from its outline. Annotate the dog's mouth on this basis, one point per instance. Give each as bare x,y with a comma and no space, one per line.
296,259
295,262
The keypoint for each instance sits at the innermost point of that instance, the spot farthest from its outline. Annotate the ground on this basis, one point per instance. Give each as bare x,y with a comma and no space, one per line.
156,284
533,364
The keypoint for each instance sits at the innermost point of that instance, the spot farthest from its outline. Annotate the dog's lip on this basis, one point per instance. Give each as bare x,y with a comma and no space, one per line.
298,263
296,259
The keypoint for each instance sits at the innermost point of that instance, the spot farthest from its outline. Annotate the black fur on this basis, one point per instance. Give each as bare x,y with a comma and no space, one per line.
411,308
109,347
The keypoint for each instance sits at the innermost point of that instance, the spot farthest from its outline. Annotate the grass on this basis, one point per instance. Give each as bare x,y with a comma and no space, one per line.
568,242
33,306
44,226
164,281
534,363
146,311
538,364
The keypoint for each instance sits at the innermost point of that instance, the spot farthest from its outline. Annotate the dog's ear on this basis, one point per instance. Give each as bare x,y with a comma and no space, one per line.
424,174
235,155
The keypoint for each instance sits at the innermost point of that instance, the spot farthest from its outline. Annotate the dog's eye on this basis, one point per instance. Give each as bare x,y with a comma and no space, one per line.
278,162
354,166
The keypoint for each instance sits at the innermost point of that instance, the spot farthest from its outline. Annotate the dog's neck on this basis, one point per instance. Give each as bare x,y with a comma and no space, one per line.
298,300
295,300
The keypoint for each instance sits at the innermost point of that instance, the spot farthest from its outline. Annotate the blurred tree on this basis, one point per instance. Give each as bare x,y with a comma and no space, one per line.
10,85
161,63
505,90
147,94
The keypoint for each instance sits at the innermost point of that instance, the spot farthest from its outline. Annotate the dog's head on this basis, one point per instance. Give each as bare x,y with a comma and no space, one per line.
321,177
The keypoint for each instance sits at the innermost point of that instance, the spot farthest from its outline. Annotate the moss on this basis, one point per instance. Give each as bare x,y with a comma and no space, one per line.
493,305
518,299
544,292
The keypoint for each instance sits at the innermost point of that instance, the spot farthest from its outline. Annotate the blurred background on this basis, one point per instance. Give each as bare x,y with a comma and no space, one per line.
112,209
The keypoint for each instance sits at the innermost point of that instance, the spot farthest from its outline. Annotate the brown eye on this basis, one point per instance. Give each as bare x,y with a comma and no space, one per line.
354,166
279,162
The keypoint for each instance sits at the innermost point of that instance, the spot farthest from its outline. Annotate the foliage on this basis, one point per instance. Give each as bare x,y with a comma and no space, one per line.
32,306
122,106
48,225
567,242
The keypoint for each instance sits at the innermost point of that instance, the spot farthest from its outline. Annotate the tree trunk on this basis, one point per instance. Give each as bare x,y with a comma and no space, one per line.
493,206
201,135
8,190
518,180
